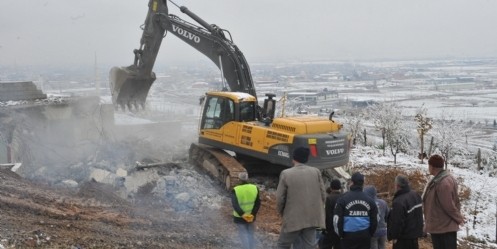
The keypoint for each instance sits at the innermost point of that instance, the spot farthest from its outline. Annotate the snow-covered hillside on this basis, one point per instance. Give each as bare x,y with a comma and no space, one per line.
479,210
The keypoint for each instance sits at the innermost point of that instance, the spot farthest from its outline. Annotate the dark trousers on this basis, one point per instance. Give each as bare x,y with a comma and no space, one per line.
356,243
406,244
444,240
301,239
330,241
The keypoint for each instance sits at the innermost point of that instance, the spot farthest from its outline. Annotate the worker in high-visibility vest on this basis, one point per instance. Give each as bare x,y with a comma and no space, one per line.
246,203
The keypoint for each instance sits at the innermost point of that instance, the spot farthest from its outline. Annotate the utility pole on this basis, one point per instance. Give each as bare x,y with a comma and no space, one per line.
97,83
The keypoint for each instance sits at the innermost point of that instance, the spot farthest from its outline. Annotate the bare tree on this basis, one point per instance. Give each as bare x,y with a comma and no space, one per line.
424,125
488,162
378,114
388,118
353,123
450,136
398,140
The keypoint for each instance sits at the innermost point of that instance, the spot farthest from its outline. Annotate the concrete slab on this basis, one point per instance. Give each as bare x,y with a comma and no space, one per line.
21,90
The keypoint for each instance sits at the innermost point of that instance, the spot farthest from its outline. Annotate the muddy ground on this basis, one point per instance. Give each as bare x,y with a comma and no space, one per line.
35,214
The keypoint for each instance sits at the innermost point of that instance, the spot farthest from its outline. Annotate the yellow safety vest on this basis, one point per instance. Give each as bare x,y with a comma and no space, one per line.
246,195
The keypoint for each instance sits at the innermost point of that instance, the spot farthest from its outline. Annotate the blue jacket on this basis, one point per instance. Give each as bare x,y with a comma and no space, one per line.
355,215
383,210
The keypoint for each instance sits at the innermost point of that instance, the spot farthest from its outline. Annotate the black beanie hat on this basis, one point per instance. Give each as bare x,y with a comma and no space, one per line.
301,154
336,184
358,179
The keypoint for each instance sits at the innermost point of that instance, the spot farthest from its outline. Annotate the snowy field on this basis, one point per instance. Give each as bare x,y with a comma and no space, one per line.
467,105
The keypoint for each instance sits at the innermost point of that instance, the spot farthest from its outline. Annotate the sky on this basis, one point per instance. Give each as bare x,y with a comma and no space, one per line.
65,32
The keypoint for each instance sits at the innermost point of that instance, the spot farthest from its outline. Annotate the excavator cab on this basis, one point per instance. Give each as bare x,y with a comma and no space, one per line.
221,108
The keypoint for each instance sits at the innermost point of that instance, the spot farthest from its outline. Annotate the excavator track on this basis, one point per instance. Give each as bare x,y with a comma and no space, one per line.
218,163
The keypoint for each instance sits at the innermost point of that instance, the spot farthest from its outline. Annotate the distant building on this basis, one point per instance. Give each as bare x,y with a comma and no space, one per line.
363,103
313,97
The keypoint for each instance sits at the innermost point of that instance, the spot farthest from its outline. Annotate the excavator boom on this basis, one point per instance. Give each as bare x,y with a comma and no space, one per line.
130,85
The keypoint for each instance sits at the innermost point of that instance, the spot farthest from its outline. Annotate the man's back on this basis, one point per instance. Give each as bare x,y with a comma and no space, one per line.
356,214
406,219
300,198
330,204
442,206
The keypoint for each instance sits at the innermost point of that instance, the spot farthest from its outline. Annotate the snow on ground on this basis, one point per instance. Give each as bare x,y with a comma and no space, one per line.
481,208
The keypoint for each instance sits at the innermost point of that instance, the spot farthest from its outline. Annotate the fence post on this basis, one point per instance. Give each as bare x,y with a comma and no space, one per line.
478,158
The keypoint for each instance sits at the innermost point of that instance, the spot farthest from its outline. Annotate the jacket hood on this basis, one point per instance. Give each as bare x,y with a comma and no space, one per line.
370,191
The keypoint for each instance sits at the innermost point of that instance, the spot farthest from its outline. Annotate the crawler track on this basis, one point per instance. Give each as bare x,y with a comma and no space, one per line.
217,163
225,168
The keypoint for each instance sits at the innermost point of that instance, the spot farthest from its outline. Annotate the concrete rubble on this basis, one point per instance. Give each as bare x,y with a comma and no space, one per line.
20,90
70,141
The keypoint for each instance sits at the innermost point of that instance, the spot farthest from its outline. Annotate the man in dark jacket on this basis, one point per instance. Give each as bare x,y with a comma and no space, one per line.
331,240
356,216
245,201
405,222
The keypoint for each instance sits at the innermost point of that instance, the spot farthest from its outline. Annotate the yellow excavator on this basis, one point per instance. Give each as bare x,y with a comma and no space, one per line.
236,134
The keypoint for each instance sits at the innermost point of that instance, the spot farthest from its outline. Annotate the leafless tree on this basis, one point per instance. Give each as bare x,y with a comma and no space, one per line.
450,136
424,125
353,123
388,118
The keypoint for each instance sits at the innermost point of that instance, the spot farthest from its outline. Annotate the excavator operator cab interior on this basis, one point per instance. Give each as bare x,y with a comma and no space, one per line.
217,112
247,111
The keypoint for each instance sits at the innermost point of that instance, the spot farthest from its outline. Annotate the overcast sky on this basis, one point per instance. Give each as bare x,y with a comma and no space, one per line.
56,32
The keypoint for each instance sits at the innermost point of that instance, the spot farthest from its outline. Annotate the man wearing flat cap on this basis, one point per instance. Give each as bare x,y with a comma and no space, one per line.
300,201
441,206
356,216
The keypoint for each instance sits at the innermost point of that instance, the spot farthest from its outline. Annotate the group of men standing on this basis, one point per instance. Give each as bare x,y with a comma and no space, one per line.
356,219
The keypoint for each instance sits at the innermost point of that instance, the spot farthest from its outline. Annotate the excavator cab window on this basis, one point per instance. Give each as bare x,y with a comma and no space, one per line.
247,111
218,111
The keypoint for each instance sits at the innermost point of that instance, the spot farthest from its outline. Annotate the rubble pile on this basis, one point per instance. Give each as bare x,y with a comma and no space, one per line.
176,185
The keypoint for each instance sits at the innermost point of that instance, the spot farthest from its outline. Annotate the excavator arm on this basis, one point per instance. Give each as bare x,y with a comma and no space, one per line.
130,85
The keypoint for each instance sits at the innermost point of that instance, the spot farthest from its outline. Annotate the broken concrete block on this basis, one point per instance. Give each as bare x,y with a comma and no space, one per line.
170,180
103,176
70,183
138,179
183,197
121,172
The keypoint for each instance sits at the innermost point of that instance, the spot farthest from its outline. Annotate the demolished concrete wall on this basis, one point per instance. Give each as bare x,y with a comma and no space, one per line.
62,132
81,129
20,90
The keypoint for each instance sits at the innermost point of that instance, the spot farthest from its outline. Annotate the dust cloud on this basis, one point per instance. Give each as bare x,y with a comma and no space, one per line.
80,141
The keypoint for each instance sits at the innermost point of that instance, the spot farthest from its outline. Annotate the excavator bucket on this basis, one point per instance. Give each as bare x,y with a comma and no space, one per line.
129,90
